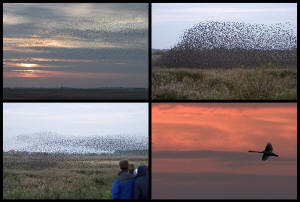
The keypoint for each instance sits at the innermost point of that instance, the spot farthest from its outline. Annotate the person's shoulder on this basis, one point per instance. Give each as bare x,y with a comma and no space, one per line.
125,177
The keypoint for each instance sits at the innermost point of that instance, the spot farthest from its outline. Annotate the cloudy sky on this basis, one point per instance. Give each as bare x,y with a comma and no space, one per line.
77,45
169,21
201,150
75,119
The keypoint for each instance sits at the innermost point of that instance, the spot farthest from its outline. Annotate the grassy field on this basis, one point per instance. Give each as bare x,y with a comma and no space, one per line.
259,83
42,176
71,94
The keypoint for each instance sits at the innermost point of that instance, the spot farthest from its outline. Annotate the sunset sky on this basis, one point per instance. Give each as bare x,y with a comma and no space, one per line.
77,45
200,150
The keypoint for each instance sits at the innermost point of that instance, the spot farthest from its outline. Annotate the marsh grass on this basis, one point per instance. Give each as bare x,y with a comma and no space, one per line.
260,83
61,176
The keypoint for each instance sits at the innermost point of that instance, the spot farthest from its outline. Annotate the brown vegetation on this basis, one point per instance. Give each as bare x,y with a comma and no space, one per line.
50,176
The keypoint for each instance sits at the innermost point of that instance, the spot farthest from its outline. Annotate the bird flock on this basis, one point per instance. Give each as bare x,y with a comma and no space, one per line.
50,142
214,44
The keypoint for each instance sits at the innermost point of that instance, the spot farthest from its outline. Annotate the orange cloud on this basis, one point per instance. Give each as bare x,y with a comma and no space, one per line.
62,43
58,60
44,60
36,42
61,74
28,65
219,128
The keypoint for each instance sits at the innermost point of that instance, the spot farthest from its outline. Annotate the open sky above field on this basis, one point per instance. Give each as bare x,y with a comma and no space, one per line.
74,119
169,21
80,45
201,150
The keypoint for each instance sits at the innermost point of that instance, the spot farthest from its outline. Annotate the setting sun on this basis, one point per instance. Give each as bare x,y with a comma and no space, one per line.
28,65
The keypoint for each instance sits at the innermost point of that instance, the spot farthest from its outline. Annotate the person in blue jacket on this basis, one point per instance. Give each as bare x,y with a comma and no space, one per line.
141,184
123,185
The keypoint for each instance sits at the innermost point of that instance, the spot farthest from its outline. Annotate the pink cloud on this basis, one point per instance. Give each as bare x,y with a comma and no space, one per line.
222,128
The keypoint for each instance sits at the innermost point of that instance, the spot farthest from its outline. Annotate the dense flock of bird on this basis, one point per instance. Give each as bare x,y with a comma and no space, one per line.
233,44
50,142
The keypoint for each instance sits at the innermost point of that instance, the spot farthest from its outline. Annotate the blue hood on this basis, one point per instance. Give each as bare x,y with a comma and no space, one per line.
142,170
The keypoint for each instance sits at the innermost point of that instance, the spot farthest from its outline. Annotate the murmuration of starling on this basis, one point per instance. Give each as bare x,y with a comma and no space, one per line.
215,44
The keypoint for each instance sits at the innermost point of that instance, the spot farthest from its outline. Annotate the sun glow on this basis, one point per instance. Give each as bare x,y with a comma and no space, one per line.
28,65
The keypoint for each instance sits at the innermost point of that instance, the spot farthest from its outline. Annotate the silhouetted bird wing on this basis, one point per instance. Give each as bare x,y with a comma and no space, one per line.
265,157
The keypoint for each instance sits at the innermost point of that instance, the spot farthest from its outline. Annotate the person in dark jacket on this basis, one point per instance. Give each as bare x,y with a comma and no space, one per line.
123,185
141,184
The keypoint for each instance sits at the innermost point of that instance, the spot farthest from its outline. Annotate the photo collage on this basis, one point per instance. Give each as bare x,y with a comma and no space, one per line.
149,101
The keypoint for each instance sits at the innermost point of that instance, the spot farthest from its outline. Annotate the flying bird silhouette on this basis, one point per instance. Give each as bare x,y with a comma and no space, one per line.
267,152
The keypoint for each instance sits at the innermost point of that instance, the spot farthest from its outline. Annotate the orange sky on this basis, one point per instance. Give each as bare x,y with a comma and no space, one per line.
196,146
223,127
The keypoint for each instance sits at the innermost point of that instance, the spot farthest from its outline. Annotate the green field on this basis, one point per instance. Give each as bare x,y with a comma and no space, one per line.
50,176
260,83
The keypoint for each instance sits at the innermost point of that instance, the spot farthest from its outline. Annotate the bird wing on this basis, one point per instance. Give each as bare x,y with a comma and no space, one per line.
265,157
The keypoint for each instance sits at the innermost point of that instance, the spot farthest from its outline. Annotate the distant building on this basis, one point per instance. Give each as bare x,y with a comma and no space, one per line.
12,151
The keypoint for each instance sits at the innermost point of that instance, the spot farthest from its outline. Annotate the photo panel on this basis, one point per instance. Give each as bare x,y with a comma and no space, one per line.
75,51
224,51
75,151
149,101
224,150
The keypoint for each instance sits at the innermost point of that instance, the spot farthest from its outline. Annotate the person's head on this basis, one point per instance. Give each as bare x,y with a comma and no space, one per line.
131,168
123,165
142,170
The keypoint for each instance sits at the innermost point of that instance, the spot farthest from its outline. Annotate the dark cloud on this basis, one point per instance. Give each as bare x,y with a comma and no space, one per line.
31,11
139,8
13,30
222,186
39,12
126,36
107,54
38,15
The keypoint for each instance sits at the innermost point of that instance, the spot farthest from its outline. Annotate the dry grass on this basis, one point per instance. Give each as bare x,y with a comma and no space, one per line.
61,176
263,83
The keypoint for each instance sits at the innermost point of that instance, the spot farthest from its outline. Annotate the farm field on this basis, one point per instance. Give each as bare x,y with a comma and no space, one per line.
62,176
260,83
